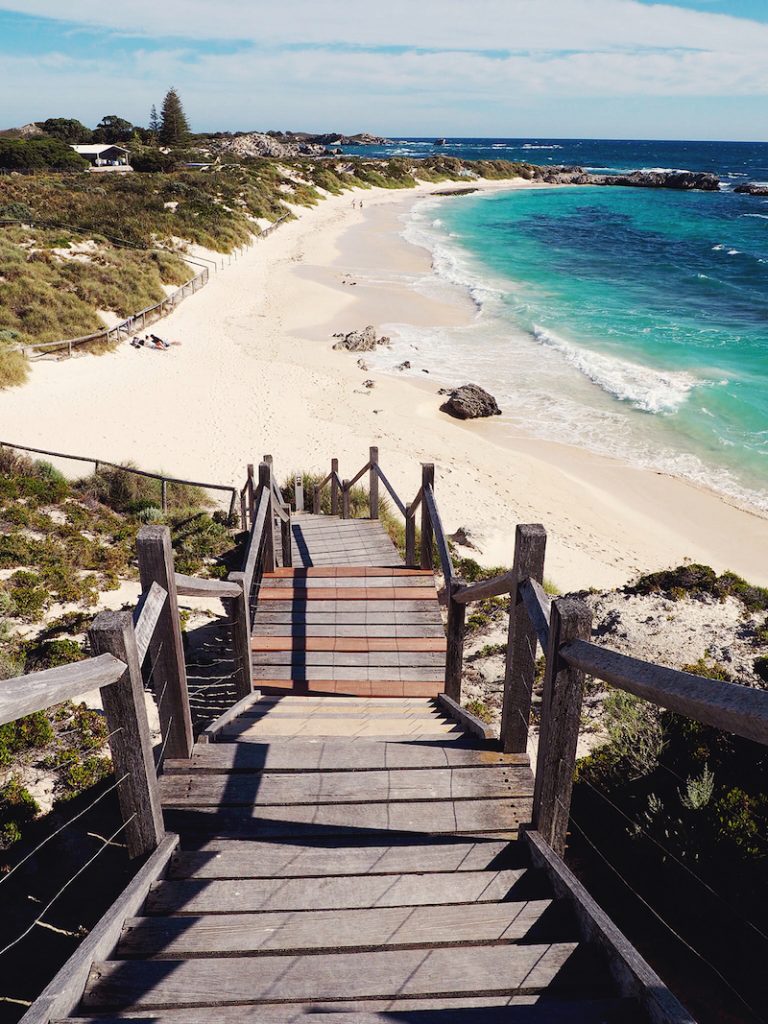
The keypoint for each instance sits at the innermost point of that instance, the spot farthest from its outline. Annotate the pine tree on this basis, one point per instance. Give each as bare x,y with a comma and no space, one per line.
174,127
154,123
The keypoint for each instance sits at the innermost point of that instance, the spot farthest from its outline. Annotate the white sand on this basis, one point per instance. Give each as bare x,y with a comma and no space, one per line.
255,373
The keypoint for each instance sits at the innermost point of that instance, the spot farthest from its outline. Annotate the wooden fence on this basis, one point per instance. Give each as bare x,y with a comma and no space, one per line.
562,629
164,480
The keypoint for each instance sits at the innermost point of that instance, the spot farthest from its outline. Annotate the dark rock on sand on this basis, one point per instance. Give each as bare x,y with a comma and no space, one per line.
470,402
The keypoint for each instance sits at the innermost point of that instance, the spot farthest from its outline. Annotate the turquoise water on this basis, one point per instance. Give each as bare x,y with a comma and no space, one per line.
633,322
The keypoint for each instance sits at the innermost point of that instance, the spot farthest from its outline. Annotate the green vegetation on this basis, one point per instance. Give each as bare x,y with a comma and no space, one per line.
39,154
173,128
700,581
17,808
480,710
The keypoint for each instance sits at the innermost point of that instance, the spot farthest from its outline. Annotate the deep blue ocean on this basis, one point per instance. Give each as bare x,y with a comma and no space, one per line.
633,322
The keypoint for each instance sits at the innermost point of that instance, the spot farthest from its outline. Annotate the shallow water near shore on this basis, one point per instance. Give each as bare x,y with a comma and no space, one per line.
630,322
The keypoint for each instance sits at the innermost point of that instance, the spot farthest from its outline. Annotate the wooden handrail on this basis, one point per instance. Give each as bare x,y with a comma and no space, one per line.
359,476
496,587
254,543
539,608
146,616
281,510
742,710
24,695
392,493
443,551
193,586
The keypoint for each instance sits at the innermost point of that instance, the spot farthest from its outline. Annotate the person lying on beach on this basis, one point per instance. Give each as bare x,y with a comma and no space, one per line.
159,342
138,342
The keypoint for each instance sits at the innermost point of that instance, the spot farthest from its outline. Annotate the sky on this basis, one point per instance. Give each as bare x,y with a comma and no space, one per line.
686,69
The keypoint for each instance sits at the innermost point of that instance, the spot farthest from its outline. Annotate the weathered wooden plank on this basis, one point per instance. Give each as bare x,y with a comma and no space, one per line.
359,581
337,755
300,594
63,993
529,1009
338,892
436,818
192,586
502,970
742,710
298,630
353,688
39,690
234,859
342,571
465,718
209,734
350,659
369,609
264,789
349,673
348,645
329,930
358,710
146,616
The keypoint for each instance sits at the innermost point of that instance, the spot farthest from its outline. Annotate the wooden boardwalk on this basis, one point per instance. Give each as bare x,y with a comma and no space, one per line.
348,618
351,855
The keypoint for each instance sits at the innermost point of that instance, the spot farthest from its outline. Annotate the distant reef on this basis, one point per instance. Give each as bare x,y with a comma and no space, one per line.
682,180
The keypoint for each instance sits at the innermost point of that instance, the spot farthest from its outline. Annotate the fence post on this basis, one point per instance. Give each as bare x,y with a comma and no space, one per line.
239,611
285,538
560,717
520,669
334,487
427,480
129,738
454,658
164,495
410,537
249,484
298,492
265,483
373,483
166,651
345,488
316,500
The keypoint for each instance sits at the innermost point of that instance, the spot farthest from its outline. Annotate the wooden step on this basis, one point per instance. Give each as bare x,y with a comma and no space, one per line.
348,645
340,724
353,687
221,858
345,572
328,930
349,579
297,754
468,1010
392,593
490,970
318,788
438,817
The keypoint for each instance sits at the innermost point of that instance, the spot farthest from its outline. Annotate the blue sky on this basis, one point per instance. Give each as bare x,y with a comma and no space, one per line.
599,68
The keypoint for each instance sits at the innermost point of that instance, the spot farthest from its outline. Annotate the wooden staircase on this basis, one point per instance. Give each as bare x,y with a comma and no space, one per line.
355,858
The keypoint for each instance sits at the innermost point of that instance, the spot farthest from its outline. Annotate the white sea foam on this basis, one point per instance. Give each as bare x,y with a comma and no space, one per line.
734,252
529,146
760,216
645,388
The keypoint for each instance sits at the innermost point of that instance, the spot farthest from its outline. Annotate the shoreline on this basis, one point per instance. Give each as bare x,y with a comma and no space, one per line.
255,373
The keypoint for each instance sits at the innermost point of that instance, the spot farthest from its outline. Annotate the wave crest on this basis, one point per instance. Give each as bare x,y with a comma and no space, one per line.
646,389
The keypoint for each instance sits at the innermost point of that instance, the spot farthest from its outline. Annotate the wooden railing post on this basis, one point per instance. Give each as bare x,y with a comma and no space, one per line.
166,650
334,487
298,492
373,483
164,495
345,489
239,611
520,670
560,717
410,537
265,484
129,739
251,491
286,538
427,480
454,658
316,500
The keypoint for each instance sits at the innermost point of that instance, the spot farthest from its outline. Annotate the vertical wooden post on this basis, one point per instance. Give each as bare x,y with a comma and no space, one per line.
345,499
286,538
373,483
454,658
265,484
427,480
250,491
316,500
166,651
164,495
520,669
334,487
560,717
129,738
410,537
243,510
530,544
239,612
298,492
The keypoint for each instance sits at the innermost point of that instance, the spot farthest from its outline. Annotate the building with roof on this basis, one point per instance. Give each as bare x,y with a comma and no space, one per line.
104,156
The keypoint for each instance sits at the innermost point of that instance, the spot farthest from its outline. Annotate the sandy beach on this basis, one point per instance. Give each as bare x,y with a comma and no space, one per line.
255,373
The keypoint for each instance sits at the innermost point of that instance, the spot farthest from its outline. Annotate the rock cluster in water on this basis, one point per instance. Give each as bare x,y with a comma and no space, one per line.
470,402
752,188
361,341
682,180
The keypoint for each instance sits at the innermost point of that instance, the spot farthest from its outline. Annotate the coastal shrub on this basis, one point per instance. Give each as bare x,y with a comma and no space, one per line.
635,740
699,581
698,790
17,808
32,731
480,710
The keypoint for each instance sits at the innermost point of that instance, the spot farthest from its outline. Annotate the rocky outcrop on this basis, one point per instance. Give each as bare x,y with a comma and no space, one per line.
681,180
257,145
752,188
330,139
361,341
470,402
